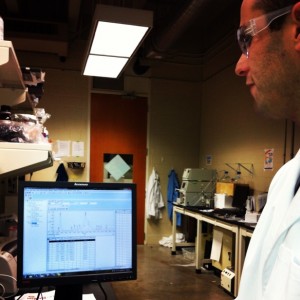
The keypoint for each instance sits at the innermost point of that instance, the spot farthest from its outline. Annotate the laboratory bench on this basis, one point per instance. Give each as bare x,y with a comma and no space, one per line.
232,222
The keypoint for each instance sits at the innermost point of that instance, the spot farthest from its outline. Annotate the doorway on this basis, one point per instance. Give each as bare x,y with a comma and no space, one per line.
119,128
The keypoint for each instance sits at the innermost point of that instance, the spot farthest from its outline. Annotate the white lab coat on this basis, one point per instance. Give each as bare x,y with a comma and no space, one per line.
272,266
154,198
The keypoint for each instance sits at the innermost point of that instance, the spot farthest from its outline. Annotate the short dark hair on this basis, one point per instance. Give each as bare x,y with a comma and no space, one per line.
272,5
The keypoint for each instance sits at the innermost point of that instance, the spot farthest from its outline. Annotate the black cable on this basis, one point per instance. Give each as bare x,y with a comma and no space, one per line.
39,293
102,289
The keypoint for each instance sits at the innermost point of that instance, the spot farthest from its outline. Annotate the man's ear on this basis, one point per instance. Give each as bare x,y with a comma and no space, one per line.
296,19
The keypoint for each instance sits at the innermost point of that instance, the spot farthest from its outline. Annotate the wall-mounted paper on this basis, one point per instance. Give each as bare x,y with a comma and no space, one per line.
62,148
77,148
269,159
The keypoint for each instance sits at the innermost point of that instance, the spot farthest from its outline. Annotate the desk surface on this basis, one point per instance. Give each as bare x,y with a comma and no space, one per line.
92,288
231,216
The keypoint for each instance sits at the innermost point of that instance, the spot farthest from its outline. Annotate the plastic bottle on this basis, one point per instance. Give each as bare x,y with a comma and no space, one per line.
249,204
1,29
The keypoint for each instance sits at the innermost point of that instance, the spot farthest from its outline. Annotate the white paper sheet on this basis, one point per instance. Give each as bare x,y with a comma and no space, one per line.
77,148
62,148
216,245
50,296
32,296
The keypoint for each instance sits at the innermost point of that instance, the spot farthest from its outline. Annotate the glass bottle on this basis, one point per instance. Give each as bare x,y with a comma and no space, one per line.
237,178
225,177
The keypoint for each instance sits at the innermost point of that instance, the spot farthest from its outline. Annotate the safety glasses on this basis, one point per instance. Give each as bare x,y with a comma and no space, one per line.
254,26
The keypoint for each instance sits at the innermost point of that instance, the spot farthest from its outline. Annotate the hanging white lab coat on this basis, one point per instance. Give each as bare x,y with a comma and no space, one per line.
154,198
272,266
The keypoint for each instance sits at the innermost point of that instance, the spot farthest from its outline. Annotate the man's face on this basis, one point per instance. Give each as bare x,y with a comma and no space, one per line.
268,70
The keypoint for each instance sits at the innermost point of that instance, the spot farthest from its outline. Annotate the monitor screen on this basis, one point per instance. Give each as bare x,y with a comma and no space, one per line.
72,233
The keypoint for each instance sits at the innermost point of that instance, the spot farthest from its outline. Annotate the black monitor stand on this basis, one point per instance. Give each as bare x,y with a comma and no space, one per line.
64,292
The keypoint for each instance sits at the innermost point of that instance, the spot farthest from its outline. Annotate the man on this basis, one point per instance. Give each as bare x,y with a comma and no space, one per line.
269,37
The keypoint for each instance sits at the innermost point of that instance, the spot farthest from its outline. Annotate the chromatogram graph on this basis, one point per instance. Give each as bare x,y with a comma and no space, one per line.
80,223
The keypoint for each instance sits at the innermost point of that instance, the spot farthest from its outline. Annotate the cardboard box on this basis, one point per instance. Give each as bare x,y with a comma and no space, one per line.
225,188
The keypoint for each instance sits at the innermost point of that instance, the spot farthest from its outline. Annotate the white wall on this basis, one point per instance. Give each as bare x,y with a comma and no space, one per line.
174,128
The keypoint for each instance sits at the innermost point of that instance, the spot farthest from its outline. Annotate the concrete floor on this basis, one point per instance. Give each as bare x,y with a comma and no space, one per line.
165,276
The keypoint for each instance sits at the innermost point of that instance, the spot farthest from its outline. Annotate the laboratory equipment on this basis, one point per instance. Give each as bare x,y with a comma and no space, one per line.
198,187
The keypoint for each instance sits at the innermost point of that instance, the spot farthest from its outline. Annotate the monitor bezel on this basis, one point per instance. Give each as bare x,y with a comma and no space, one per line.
80,278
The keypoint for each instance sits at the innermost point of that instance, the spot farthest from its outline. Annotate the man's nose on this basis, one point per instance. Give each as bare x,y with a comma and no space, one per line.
242,68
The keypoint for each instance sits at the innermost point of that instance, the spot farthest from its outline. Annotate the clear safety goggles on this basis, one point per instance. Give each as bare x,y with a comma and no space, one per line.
245,33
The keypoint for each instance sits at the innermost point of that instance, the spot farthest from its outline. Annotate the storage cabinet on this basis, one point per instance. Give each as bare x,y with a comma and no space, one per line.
18,158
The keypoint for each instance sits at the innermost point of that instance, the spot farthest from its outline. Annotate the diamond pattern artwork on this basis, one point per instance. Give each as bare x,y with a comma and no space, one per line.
117,167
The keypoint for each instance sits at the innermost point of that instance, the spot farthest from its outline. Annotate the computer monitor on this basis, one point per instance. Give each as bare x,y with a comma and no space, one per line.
72,233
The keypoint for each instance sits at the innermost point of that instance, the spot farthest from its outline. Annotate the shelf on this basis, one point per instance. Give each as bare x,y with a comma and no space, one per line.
18,159
30,158
12,88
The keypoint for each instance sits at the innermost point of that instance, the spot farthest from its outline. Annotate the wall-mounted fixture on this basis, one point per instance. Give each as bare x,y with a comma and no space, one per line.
76,165
249,169
116,34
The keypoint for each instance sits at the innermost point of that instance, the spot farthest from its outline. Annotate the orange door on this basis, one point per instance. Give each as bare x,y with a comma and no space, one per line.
119,126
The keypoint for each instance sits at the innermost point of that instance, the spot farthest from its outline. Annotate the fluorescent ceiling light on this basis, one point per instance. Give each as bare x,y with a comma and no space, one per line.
117,39
117,33
104,66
